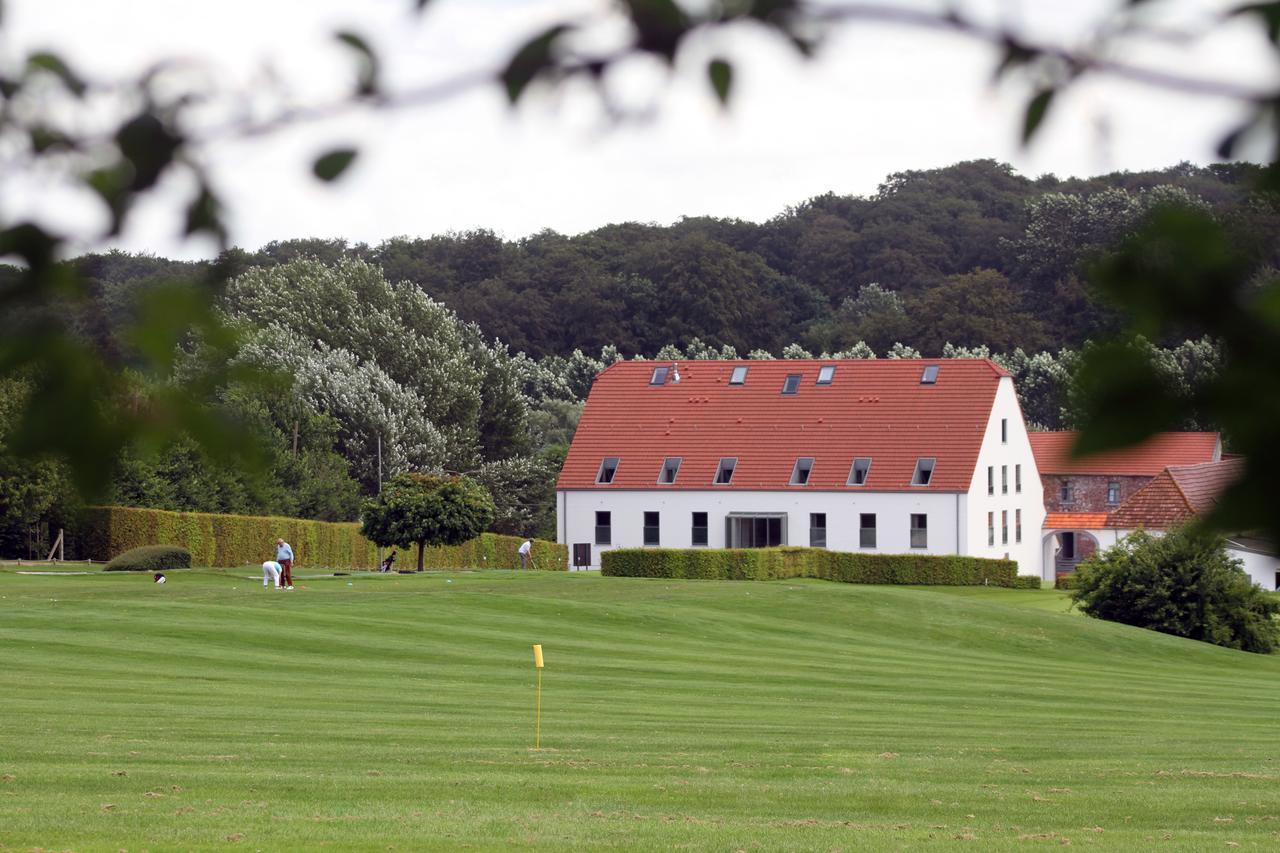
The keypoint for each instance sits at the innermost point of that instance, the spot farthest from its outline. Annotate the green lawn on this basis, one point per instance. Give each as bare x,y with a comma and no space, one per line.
397,711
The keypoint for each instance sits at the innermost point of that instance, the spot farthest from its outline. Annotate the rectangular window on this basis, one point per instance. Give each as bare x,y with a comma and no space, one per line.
930,375
699,531
826,374
800,473
670,468
739,376
817,530
1004,430
1068,494
1017,478
1004,479
924,472
755,531
724,473
867,530
1004,527
1017,529
1113,492
659,375
651,530
604,528
792,383
608,468
991,528
919,530
858,473
991,480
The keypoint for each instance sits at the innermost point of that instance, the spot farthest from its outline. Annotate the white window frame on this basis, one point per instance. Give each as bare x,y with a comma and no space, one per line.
827,370
853,472
613,475
662,481
921,467
739,375
796,469
716,481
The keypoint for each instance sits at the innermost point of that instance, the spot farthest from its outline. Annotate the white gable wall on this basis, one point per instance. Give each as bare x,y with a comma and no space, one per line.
995,454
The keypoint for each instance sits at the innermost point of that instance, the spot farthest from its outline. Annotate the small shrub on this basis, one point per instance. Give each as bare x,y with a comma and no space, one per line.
151,558
1183,583
1026,582
1067,581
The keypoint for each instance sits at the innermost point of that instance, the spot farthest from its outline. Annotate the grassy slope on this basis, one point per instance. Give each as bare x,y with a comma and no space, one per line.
398,711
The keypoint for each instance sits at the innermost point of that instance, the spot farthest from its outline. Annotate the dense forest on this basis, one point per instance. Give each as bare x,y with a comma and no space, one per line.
470,353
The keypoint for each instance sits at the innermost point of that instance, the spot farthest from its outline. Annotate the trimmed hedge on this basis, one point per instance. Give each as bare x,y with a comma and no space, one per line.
237,540
1026,582
779,563
150,558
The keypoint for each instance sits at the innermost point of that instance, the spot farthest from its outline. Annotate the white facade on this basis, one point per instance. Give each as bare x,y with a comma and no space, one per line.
957,522
1263,568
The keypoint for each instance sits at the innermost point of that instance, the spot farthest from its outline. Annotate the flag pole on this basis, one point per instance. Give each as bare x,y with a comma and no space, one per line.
537,735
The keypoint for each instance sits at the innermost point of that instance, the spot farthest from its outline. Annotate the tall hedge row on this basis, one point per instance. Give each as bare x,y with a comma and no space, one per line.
238,540
777,563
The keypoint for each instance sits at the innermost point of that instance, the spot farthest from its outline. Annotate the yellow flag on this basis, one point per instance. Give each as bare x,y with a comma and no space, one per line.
537,656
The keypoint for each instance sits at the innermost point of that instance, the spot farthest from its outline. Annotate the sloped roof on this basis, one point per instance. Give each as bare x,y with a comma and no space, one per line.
1053,454
872,408
1075,521
1177,494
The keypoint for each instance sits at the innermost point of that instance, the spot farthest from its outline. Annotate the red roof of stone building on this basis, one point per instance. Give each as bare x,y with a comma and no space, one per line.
1053,454
1178,494
1075,521
872,408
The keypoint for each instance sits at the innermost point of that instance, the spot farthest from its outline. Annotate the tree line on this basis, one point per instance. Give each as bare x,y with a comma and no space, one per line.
344,366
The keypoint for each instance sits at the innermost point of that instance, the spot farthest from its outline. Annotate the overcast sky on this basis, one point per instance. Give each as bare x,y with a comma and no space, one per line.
875,101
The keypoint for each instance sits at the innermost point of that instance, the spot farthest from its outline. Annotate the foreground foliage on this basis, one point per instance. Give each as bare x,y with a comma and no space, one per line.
709,715
1184,584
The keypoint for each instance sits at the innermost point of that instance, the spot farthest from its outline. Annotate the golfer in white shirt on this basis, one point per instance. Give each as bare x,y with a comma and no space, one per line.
270,571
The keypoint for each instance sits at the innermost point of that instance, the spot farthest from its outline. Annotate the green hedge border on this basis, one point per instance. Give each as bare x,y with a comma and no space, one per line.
226,541
780,563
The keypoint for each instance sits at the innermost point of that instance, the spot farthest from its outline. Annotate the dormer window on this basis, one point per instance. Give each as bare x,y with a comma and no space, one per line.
739,376
792,383
608,468
724,473
924,472
659,376
930,375
800,473
670,468
826,374
858,473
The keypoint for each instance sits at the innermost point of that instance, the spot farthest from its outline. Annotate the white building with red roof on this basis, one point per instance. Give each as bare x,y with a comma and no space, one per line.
880,456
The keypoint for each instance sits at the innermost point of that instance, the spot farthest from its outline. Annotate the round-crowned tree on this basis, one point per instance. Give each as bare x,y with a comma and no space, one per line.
1184,583
427,509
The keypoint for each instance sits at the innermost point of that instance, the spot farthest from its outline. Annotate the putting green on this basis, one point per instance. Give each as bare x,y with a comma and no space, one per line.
385,711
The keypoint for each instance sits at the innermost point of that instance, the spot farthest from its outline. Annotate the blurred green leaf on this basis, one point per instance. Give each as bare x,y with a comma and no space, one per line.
53,64
204,214
1267,13
530,60
329,167
720,73
1037,109
369,69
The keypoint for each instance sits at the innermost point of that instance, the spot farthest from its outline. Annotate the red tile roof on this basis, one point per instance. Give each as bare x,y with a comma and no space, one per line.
1176,495
1075,520
872,408
1053,454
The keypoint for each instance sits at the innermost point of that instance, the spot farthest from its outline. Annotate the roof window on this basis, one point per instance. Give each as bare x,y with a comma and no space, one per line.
739,376
670,468
659,376
858,473
924,472
792,384
608,468
724,473
930,375
800,473
826,373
